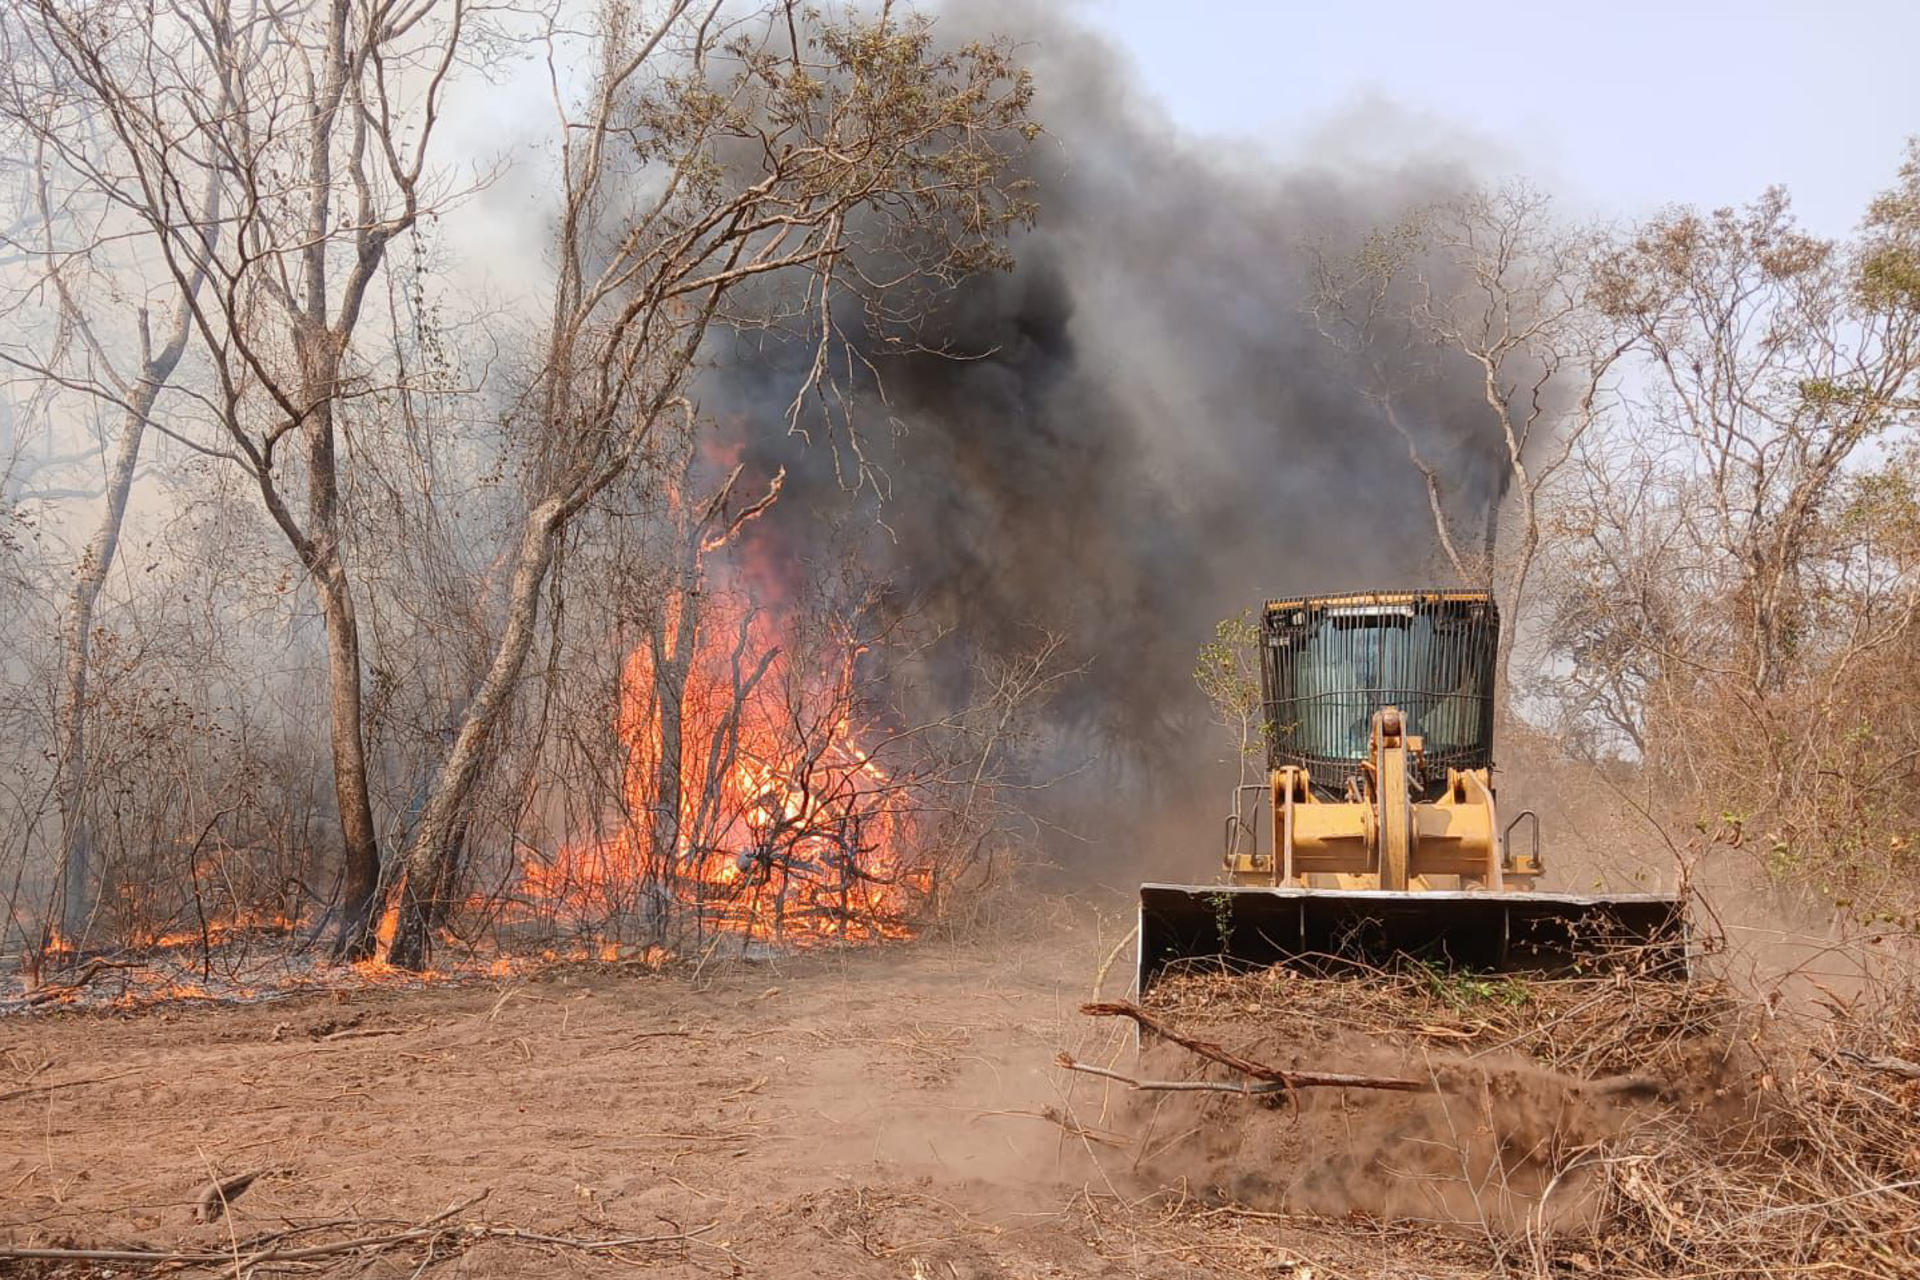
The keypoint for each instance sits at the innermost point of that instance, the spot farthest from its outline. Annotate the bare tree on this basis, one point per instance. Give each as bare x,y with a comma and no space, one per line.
313,124
1619,560
75,356
1491,282
1776,357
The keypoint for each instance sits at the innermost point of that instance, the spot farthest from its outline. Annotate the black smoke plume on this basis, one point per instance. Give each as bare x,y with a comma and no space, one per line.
1154,433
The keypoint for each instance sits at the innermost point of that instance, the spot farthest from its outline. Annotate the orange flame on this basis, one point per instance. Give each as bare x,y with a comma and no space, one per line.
215,932
784,827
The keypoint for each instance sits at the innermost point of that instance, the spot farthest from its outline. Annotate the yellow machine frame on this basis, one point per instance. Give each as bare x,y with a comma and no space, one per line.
1379,838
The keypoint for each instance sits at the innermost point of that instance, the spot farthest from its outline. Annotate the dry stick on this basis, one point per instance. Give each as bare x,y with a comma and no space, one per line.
1287,1080
93,970
593,1246
425,1230
741,1136
429,1228
1052,1115
361,1033
1893,1066
219,1194
415,1234
1066,1062
1100,978
31,1089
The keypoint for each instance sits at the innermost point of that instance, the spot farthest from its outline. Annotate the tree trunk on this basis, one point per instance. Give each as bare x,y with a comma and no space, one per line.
76,832
424,877
670,668
1490,542
663,842
360,844
360,888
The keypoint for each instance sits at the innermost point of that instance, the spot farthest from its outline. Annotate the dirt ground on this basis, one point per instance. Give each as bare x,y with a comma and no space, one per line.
883,1113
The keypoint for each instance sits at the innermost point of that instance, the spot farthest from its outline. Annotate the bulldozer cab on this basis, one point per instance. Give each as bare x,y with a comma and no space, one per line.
1328,665
1376,834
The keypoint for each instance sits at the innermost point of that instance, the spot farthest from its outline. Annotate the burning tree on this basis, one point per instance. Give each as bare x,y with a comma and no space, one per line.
778,171
743,793
774,782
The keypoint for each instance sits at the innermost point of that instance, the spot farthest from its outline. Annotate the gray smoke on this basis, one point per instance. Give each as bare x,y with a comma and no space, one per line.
1157,436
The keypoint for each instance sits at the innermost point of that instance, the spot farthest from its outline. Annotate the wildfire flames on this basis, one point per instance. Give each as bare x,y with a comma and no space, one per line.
749,804
749,808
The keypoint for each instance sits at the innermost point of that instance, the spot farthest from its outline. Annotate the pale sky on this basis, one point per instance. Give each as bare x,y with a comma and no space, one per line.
1618,105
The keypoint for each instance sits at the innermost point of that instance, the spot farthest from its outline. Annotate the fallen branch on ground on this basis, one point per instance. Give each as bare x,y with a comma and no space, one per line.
1100,977
1285,1081
48,994
247,1261
1892,1066
29,1090
361,1033
1066,1062
1071,1127
244,1261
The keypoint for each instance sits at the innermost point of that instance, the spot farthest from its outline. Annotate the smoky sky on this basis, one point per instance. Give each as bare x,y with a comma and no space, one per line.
1154,433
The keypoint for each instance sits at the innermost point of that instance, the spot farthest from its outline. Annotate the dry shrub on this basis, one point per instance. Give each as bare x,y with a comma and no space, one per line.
1615,1124
1819,1178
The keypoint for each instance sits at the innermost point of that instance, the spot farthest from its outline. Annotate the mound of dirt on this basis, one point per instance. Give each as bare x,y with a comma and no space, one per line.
1634,1125
1487,1146
1514,1080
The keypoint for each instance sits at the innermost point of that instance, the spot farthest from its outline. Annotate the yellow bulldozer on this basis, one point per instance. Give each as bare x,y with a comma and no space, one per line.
1376,835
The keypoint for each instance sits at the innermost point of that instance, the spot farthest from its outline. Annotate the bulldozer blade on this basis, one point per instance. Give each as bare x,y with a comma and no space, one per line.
1246,927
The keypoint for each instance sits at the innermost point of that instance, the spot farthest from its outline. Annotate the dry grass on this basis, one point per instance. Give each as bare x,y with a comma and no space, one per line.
1821,1176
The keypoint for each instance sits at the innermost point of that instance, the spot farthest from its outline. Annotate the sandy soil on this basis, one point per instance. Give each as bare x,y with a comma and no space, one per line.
878,1113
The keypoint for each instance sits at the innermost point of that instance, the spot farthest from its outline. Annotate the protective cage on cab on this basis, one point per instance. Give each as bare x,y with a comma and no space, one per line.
1328,664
